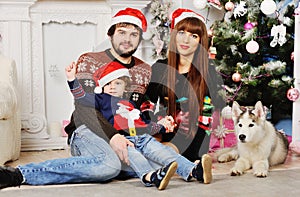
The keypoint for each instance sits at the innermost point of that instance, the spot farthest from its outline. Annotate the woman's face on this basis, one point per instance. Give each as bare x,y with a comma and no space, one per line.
186,42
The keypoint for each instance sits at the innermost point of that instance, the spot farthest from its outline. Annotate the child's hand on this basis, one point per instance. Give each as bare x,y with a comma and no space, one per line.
70,71
168,123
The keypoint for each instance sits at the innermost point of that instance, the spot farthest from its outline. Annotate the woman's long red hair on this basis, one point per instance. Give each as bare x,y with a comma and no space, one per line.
197,76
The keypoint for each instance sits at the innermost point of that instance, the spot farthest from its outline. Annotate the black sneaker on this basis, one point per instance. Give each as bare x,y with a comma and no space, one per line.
10,177
162,176
203,170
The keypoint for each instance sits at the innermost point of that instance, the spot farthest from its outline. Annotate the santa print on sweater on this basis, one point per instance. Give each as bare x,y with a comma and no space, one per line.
121,113
128,117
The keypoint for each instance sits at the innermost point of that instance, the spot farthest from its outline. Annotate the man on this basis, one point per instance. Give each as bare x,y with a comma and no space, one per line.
94,160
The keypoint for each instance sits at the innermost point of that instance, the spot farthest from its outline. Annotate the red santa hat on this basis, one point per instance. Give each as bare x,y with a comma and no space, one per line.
181,13
107,73
131,15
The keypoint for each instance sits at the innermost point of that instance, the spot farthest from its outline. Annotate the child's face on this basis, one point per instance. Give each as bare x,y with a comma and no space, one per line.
115,88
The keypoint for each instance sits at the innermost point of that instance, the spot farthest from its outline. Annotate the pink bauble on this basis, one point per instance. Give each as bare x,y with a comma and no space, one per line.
248,26
229,6
252,46
236,77
254,23
293,94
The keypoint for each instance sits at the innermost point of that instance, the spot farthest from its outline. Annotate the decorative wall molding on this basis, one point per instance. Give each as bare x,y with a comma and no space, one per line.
15,10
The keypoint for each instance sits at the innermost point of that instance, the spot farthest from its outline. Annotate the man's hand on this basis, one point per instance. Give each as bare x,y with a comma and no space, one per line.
119,144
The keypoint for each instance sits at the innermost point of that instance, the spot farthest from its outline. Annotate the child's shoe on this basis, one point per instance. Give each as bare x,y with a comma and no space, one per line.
162,176
203,170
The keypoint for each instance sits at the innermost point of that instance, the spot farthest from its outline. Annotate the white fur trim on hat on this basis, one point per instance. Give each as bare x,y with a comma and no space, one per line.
186,15
127,19
109,77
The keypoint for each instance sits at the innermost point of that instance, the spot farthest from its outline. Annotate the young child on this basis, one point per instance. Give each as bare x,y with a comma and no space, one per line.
111,81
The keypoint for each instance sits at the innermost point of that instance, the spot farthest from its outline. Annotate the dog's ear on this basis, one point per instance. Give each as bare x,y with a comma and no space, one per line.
236,110
259,110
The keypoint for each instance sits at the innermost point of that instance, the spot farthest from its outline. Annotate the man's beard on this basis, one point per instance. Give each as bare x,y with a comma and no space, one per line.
124,54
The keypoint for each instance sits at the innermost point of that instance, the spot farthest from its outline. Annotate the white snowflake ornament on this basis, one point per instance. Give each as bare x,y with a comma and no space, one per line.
240,9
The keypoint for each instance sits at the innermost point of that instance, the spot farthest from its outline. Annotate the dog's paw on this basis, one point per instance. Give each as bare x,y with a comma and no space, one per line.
226,157
235,172
261,174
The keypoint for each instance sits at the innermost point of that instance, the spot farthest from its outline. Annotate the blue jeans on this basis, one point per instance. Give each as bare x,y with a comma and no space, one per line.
93,161
148,150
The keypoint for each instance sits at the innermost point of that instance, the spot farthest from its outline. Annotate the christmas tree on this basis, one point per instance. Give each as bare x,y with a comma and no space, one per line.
253,47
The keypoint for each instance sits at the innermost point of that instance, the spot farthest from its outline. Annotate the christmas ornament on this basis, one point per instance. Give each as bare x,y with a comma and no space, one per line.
248,26
240,9
200,4
212,52
236,77
252,46
226,112
268,7
254,24
229,6
278,32
293,94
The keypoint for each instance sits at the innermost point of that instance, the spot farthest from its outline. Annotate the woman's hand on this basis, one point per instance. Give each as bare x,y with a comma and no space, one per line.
182,120
168,122
70,71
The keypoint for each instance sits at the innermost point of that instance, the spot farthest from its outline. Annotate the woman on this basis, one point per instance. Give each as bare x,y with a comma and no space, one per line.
188,83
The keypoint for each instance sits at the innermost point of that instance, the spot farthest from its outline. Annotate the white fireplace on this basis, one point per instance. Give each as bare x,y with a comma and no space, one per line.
43,37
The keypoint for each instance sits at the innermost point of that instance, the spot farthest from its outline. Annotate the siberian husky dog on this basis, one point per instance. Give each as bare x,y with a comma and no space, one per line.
259,144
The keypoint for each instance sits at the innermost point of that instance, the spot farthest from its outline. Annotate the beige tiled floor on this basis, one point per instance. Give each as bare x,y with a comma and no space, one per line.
282,181
292,161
